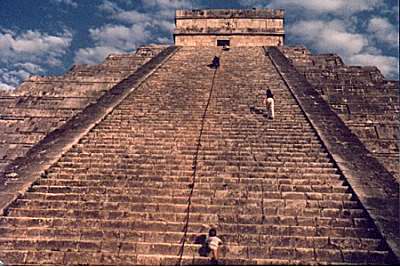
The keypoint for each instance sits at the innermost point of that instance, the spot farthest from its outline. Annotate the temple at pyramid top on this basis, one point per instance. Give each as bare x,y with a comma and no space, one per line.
235,27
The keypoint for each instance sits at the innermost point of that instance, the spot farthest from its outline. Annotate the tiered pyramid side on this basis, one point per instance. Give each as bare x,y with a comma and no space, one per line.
41,105
364,100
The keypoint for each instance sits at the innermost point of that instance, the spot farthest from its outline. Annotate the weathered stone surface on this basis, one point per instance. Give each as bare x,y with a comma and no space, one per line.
376,188
159,155
190,140
364,100
252,27
43,104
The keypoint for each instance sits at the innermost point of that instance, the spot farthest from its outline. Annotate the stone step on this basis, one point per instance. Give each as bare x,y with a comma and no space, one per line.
118,148
83,179
323,229
201,164
230,188
185,179
181,197
157,144
251,116
119,173
165,212
192,117
208,187
210,171
194,250
127,235
322,257
170,137
262,158
142,248
280,127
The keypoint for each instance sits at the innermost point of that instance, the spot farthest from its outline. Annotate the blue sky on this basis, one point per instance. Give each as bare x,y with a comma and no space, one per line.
47,37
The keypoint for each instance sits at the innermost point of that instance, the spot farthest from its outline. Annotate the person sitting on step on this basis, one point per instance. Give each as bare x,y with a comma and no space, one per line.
269,104
215,62
213,244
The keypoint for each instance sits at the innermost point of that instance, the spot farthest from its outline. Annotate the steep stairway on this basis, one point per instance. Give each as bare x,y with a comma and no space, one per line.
190,148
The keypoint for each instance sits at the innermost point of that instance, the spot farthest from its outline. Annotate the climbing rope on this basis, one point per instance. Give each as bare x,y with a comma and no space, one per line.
194,168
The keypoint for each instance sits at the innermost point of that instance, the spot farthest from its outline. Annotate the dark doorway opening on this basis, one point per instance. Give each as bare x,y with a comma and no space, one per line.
223,42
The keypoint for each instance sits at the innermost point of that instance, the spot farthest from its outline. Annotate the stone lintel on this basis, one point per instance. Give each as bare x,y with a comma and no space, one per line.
230,13
213,33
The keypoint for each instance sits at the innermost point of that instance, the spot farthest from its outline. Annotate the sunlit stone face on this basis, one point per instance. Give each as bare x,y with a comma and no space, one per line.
255,27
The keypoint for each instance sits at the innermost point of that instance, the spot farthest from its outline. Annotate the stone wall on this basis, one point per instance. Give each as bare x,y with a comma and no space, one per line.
254,27
232,24
365,101
264,13
237,40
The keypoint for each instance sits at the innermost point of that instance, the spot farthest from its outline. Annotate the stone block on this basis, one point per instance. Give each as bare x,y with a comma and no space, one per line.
283,252
89,246
111,246
44,258
355,256
328,255
258,252
82,258
234,252
375,256
121,259
305,254
303,230
305,221
148,260
13,257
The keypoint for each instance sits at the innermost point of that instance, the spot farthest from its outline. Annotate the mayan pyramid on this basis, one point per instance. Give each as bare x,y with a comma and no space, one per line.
130,161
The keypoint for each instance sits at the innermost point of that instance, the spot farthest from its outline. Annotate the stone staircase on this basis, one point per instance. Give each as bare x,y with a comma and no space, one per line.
190,148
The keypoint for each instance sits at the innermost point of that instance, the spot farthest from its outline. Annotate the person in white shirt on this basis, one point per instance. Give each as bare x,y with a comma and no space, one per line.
213,243
269,103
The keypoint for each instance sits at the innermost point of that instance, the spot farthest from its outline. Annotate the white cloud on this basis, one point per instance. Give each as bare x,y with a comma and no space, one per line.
33,42
164,40
335,37
119,36
112,39
94,55
6,87
389,66
33,45
132,16
109,7
30,67
12,77
168,4
338,7
138,28
29,53
384,31
328,36
71,3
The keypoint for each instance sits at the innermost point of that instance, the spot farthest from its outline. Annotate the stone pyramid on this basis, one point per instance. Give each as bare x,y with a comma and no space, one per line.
131,161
